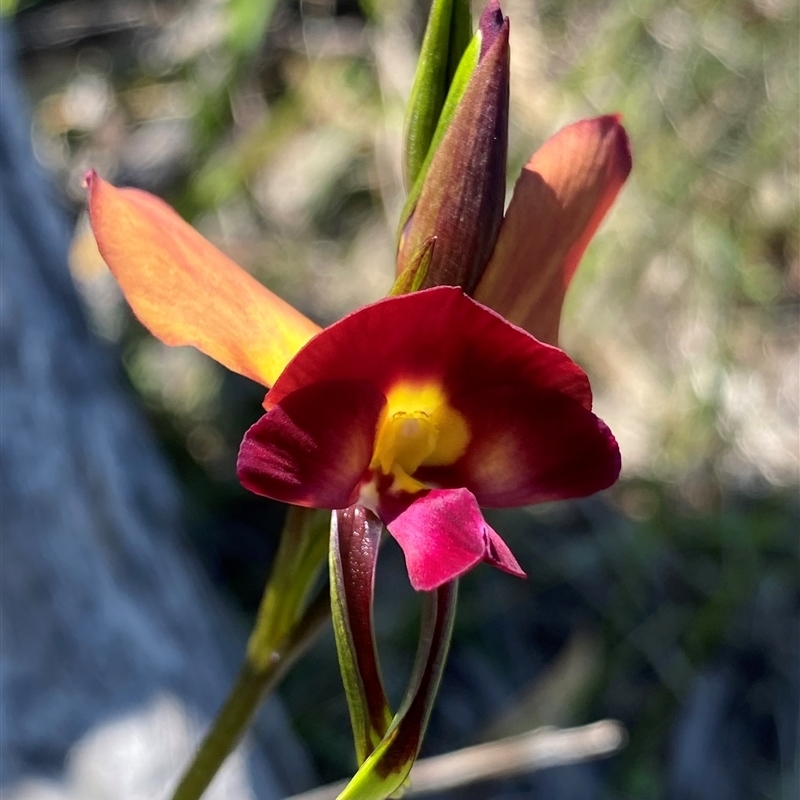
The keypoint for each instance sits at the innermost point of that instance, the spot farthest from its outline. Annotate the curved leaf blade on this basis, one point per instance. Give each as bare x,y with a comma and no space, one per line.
355,540
386,770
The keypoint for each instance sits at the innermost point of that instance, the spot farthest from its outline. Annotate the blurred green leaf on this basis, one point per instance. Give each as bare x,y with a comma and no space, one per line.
247,23
295,572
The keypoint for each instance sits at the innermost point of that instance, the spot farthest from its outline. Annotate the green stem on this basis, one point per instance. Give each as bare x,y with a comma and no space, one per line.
252,685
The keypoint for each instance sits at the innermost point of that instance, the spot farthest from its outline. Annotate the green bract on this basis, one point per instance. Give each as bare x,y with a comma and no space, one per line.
457,87
446,38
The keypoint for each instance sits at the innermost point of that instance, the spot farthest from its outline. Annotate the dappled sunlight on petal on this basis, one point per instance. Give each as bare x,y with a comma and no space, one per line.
186,292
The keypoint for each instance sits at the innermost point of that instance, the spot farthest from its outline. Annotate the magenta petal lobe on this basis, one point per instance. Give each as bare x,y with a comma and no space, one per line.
499,555
443,535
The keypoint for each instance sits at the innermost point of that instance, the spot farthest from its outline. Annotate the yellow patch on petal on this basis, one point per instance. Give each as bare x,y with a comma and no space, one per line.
418,427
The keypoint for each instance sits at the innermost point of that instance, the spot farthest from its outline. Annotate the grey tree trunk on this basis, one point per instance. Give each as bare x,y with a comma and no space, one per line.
114,650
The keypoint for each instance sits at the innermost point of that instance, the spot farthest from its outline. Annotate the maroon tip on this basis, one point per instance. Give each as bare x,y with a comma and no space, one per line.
492,25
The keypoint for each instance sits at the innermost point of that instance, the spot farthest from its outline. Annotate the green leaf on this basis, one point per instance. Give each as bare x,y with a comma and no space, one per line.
295,573
354,543
447,36
460,36
387,768
247,23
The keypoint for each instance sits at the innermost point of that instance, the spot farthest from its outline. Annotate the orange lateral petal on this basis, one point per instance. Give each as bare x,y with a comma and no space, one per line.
185,291
560,199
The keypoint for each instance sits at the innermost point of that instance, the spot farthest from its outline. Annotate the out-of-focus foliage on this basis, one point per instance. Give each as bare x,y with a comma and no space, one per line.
683,625
277,129
687,305
277,132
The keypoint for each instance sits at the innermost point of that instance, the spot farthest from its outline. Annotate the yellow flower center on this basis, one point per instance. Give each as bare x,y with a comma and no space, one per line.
418,427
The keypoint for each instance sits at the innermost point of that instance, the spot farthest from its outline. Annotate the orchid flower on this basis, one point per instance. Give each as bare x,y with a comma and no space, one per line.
421,408
418,409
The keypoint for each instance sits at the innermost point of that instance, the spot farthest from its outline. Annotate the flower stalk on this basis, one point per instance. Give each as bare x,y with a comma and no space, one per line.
286,625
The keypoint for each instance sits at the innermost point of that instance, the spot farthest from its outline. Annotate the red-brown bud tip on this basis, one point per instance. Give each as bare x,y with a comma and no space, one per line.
491,25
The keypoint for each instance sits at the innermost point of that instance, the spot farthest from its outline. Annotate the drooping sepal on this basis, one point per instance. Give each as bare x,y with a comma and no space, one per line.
459,195
447,36
387,768
354,543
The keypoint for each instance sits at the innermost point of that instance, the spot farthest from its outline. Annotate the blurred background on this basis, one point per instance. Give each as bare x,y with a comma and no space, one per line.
672,601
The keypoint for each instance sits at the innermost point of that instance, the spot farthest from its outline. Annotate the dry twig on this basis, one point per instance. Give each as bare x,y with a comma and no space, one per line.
528,752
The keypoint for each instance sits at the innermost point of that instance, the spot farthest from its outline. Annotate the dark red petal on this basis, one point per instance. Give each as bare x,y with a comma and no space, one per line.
443,535
313,448
529,447
438,334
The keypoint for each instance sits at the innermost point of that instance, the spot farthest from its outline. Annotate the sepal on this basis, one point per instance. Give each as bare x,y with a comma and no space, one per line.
560,199
386,770
354,543
185,291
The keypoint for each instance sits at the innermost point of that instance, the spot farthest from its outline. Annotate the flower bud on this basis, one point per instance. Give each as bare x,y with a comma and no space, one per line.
461,198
